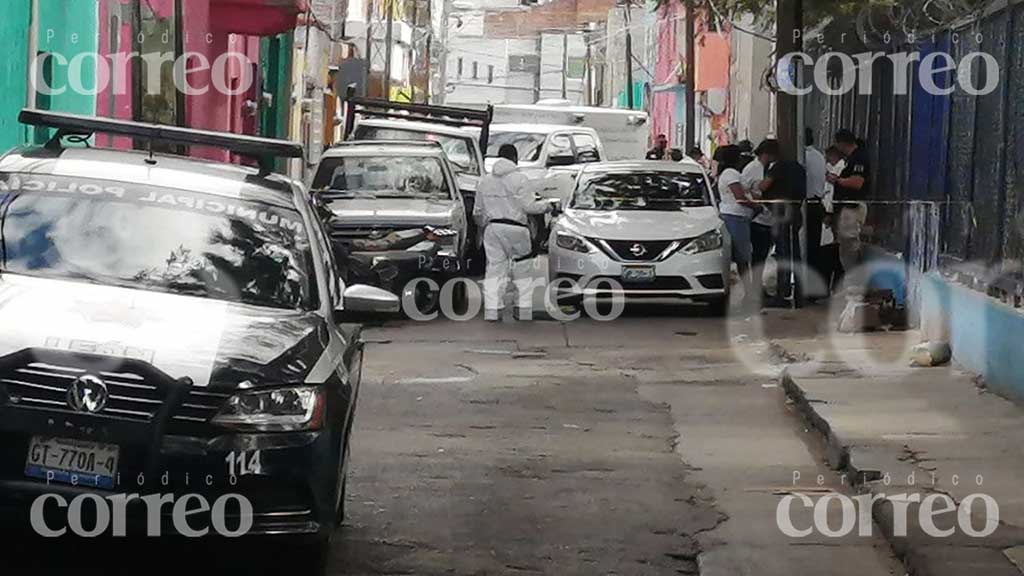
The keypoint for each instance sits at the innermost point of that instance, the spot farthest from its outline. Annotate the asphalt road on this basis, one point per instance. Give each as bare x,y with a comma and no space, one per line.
641,446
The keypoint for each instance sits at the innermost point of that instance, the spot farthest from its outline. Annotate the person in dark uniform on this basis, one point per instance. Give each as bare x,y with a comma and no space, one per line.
852,188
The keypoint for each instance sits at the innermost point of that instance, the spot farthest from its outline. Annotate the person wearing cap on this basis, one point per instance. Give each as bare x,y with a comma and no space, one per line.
852,188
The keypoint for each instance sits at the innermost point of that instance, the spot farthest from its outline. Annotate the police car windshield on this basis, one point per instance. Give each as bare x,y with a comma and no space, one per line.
657,191
381,177
154,239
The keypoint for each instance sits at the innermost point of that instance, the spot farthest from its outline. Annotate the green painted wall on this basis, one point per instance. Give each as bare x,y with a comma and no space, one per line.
14,27
276,66
68,28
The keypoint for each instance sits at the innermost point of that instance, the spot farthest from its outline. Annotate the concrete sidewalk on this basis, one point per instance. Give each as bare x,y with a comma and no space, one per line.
892,430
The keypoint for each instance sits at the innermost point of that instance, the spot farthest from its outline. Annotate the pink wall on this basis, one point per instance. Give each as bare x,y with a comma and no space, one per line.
663,104
215,109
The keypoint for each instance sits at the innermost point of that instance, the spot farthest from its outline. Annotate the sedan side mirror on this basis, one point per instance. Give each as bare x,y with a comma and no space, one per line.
363,298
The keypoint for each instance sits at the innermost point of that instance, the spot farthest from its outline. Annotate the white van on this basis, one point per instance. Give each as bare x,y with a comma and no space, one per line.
623,133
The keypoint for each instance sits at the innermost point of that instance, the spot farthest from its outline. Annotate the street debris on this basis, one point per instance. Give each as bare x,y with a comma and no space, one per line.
930,354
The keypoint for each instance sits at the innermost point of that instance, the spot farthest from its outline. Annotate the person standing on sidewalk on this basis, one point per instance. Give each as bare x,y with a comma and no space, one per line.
504,199
786,184
761,226
852,188
814,164
737,210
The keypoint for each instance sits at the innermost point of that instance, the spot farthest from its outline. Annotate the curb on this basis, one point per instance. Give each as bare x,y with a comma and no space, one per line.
838,456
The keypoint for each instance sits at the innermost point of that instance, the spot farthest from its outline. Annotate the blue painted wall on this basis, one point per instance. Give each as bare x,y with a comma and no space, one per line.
984,333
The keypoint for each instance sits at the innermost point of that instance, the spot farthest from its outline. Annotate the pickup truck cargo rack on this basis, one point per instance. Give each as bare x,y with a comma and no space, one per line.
445,115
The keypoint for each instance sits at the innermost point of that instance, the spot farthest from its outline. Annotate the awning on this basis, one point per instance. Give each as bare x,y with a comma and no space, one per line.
255,17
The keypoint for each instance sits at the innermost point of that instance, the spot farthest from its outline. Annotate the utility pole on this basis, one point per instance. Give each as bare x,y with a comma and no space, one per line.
565,64
589,98
691,77
540,62
413,50
629,57
788,41
388,38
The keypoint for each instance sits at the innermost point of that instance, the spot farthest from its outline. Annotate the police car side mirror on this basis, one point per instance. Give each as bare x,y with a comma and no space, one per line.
363,298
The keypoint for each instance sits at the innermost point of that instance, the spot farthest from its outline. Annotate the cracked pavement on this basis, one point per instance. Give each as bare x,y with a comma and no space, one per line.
635,447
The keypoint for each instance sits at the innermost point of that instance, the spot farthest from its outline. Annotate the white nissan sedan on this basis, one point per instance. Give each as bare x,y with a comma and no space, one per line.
641,230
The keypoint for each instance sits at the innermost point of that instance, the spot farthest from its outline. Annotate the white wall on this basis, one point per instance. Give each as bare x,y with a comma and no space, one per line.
752,110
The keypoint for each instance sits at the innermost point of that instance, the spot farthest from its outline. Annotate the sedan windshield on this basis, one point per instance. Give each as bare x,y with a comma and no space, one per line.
528,145
659,191
458,148
154,239
382,177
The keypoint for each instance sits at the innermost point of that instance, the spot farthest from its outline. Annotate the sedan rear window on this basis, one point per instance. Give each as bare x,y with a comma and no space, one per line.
658,191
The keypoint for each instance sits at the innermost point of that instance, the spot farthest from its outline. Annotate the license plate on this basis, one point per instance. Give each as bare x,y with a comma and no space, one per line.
638,274
72,461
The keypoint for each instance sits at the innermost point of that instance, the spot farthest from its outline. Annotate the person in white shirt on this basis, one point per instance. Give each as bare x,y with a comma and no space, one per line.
737,210
761,237
815,167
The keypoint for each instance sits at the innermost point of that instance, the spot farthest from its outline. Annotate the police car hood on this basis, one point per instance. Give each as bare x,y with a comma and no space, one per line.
214,343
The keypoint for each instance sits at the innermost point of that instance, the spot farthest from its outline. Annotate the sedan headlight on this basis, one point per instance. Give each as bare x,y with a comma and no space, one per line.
571,242
704,243
277,410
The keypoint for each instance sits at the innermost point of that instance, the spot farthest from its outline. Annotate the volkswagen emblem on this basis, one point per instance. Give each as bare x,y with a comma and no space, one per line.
88,394
638,250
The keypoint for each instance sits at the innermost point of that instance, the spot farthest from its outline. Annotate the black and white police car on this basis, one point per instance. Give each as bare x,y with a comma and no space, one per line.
170,326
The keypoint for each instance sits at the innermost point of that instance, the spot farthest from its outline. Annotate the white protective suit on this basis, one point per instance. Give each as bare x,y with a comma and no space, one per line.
503,197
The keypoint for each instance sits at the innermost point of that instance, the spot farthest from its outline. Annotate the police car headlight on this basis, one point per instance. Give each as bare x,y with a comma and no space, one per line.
571,242
704,243
277,410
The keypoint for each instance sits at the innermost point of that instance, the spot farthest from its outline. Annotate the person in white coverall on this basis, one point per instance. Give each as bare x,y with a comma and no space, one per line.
504,200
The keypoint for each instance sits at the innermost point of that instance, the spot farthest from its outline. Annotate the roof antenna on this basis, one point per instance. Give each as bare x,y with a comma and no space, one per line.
151,160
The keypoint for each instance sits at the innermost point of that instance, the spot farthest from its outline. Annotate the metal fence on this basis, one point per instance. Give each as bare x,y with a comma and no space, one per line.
964,153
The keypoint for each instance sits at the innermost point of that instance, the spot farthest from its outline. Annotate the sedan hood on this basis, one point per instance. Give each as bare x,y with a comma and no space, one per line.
392,212
640,224
214,343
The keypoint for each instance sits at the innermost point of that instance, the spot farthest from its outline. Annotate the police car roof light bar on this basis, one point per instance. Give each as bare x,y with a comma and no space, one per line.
264,150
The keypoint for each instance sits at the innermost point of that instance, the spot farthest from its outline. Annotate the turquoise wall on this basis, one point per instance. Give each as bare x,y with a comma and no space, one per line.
68,28
13,70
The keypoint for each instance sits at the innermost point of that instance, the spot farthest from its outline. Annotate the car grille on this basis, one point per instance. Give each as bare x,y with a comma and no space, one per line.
45,385
350,234
636,250
659,283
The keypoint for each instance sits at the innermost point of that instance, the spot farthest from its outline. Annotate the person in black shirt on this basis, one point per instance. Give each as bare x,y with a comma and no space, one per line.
851,190
660,150
786,183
